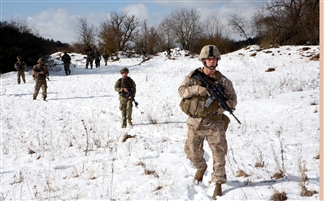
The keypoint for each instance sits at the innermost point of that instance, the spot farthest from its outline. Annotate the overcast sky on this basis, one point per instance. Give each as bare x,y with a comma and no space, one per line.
57,19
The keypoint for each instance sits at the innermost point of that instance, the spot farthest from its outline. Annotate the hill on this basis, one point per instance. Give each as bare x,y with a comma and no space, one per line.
72,148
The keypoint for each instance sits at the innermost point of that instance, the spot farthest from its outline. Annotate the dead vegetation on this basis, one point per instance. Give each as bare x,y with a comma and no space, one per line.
126,136
279,196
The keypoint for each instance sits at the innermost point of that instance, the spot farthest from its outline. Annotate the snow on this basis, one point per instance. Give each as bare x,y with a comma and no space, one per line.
77,135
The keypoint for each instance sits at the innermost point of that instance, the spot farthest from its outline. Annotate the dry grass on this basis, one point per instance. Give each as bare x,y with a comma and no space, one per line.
278,175
277,196
126,136
307,193
151,172
241,173
259,165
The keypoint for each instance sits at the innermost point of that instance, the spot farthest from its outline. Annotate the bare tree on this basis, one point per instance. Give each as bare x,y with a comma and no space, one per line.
146,38
184,26
213,28
86,33
241,26
290,21
117,31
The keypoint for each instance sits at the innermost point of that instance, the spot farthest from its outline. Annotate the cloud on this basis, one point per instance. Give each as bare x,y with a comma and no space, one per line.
139,10
55,24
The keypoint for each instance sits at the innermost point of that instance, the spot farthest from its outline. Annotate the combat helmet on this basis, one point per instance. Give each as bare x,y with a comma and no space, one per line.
124,70
40,60
209,51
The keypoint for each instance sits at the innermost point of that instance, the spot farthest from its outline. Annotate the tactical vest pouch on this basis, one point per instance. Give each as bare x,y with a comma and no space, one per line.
193,106
185,105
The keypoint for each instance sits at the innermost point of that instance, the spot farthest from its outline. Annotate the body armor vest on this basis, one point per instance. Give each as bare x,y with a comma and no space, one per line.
195,106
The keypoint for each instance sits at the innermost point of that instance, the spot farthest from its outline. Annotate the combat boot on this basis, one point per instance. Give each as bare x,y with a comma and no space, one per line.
130,122
217,191
124,126
200,174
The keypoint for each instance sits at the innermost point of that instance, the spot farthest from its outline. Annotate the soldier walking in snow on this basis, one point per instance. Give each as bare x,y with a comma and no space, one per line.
203,123
126,88
40,73
97,58
90,55
66,60
21,67
105,56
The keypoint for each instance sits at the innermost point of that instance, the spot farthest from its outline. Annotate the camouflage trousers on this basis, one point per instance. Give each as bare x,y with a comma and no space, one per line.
89,61
126,108
40,84
67,69
97,62
22,75
214,133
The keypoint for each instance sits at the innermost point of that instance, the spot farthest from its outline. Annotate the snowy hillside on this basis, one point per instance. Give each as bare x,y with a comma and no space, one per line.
73,147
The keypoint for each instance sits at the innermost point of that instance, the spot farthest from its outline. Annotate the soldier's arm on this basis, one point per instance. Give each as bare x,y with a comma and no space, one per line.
134,88
229,91
117,86
189,88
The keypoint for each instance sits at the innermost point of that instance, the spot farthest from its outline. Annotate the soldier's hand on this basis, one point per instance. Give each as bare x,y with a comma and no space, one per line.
203,91
230,104
125,90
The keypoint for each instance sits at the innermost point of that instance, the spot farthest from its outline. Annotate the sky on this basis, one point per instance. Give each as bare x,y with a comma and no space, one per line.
58,19
71,147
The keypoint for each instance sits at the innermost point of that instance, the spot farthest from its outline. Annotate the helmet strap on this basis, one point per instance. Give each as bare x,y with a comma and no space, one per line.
210,67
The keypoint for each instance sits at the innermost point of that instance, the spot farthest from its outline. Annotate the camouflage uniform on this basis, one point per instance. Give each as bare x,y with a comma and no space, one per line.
90,55
202,124
97,58
125,102
40,72
21,67
105,56
66,60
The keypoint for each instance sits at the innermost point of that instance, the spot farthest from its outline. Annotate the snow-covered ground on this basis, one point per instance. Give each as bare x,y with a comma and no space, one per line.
72,148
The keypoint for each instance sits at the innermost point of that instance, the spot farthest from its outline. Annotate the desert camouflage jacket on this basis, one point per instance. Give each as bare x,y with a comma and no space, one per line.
189,91
36,72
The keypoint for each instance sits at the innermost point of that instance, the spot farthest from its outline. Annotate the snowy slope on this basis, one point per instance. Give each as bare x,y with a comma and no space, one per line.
71,148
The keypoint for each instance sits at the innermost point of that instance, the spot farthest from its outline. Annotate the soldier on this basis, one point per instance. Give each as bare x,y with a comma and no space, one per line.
168,51
90,55
66,60
21,67
97,58
202,124
40,72
123,86
106,57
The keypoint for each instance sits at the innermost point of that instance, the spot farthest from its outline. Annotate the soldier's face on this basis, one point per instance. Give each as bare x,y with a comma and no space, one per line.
124,74
211,61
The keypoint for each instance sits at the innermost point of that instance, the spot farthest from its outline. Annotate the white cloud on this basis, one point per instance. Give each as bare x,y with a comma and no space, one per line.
55,24
139,10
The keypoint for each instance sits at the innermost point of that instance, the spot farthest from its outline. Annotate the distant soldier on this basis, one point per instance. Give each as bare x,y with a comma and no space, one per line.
89,52
66,60
97,58
123,86
106,57
143,54
40,73
21,67
168,51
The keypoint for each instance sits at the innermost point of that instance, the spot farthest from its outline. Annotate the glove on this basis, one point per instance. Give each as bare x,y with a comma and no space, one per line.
230,104
202,91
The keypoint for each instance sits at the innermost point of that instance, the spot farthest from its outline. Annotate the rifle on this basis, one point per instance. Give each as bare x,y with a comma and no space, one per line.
130,93
216,91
